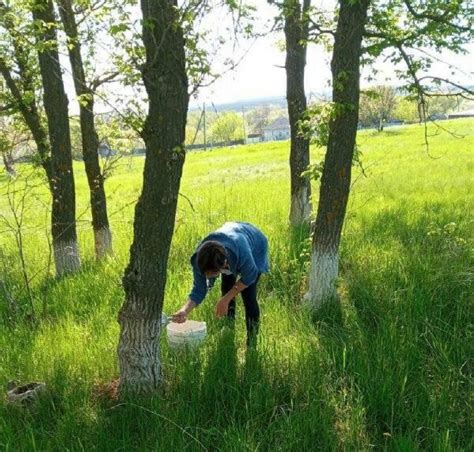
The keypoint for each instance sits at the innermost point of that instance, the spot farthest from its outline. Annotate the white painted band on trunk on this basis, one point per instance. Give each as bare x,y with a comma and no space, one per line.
103,242
66,257
139,355
300,209
322,278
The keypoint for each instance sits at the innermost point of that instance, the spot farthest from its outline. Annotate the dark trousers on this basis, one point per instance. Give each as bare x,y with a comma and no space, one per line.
252,310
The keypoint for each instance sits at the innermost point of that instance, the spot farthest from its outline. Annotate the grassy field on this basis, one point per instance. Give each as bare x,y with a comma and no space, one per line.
391,369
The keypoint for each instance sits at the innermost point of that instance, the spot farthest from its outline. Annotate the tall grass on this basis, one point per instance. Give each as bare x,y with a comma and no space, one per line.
390,368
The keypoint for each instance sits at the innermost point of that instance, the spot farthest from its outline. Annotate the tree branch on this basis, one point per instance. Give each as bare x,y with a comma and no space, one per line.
434,18
320,31
105,78
85,12
449,82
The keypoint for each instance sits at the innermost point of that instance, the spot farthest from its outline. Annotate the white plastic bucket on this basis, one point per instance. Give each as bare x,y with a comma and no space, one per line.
188,334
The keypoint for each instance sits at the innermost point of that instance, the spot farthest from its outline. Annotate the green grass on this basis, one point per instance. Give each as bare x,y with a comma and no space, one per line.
390,369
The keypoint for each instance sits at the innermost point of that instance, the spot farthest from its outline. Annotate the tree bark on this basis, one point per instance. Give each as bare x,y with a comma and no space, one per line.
90,140
30,114
296,36
25,98
9,164
66,253
166,82
336,176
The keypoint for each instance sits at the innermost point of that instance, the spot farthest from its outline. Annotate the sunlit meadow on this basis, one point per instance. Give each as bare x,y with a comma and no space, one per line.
388,369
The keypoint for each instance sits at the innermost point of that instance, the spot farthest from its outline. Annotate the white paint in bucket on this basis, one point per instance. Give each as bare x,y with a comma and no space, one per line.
188,334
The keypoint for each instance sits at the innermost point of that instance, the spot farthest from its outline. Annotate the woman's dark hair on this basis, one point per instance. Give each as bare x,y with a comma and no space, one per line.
211,256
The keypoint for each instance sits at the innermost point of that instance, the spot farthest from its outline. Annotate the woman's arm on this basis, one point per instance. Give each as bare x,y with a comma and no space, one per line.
196,296
223,305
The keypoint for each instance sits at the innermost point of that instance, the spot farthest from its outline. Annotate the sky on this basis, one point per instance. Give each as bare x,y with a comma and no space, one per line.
261,74
261,71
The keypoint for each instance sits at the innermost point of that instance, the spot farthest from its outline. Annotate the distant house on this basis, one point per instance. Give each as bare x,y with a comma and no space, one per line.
253,138
138,151
393,122
462,114
437,117
277,130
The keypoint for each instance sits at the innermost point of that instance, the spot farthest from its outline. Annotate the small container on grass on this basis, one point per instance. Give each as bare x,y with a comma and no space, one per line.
24,395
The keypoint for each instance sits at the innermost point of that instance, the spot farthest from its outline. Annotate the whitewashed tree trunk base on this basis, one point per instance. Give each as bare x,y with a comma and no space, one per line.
139,355
66,257
103,242
322,280
300,210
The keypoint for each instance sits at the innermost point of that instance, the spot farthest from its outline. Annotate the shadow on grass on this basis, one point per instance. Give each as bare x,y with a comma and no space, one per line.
226,399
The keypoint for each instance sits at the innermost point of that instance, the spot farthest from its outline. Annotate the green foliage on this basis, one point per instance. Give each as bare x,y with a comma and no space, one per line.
314,171
227,127
385,371
203,43
113,131
376,106
397,30
258,118
84,99
14,136
317,118
117,133
315,125
18,50
441,106
407,110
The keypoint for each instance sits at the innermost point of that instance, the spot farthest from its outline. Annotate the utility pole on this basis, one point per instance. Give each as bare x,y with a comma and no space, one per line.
204,118
243,124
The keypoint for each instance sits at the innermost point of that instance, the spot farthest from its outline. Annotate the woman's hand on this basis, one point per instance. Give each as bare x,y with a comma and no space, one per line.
182,315
179,316
222,307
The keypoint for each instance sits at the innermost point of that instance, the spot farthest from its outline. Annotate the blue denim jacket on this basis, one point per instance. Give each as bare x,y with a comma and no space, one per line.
247,255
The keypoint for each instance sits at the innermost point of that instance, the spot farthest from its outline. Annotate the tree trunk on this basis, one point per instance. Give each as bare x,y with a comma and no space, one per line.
336,177
164,75
28,108
66,253
30,114
296,35
90,140
9,164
